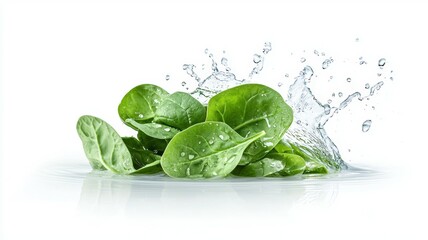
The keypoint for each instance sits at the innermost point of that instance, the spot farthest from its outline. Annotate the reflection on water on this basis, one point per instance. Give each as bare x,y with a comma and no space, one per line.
103,193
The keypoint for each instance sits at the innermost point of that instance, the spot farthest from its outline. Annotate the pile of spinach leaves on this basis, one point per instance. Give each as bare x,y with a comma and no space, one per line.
238,133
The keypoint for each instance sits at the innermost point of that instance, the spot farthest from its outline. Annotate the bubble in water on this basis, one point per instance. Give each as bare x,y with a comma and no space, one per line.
367,86
280,84
206,51
316,52
379,74
348,79
340,94
381,62
167,77
286,75
183,83
333,94
391,78
366,125
302,60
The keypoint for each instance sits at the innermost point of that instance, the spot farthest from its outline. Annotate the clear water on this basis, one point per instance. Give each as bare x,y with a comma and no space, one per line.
310,114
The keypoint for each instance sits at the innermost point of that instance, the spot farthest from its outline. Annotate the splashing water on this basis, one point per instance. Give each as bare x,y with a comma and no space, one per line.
307,133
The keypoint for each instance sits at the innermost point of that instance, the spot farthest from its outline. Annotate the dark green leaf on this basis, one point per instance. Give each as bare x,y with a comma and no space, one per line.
141,102
249,109
153,144
180,110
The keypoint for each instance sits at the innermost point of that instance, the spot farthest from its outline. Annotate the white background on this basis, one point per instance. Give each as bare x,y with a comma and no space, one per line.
63,59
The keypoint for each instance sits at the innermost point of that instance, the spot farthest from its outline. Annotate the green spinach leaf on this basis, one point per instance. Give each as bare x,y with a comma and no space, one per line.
274,165
105,149
180,110
154,130
140,156
140,103
251,108
153,144
205,150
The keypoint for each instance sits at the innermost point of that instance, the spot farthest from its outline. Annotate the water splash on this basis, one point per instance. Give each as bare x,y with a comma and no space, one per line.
307,133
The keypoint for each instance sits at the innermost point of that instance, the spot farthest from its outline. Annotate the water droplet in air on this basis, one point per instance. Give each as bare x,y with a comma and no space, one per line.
327,109
381,62
348,79
326,63
366,125
267,48
302,60
191,156
257,58
182,154
367,86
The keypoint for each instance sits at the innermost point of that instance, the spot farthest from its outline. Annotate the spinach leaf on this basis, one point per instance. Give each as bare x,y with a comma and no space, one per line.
283,147
205,150
251,108
274,165
180,110
140,156
314,164
150,168
105,149
140,103
103,146
152,144
154,130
